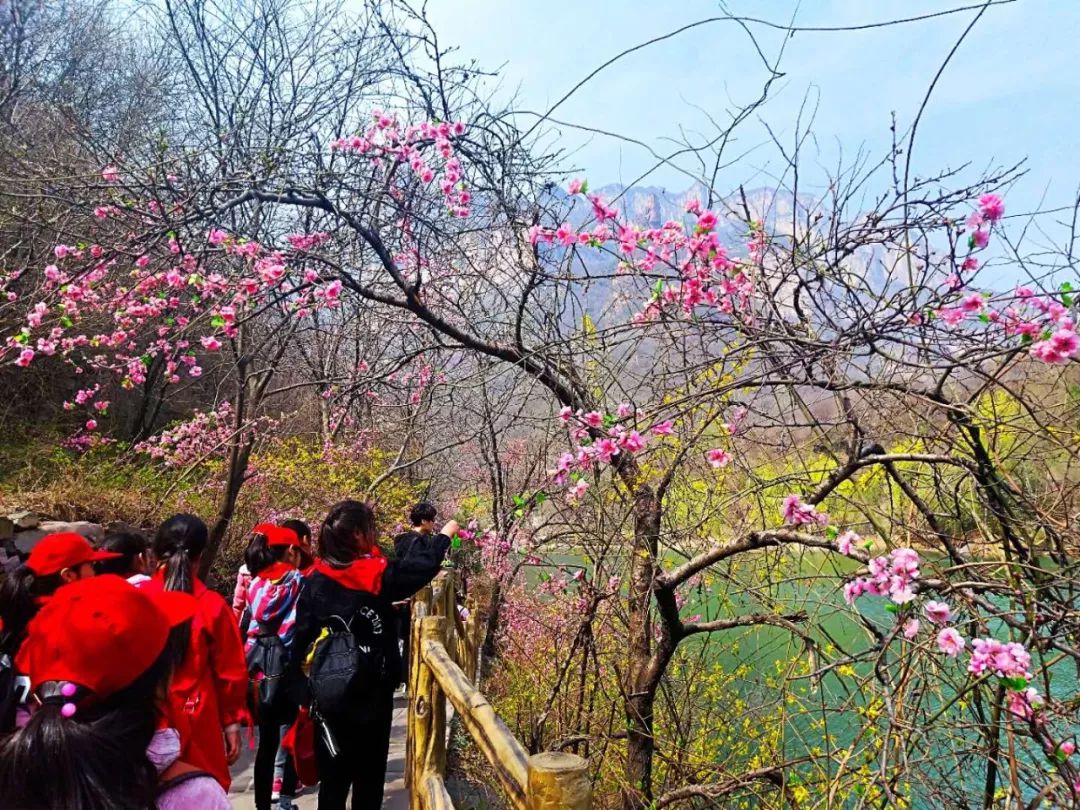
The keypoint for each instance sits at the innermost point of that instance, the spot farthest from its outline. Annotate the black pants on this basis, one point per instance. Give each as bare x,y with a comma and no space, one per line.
363,741
271,719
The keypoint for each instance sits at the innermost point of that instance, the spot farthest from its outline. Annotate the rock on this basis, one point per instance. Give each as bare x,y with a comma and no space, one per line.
7,528
25,541
24,520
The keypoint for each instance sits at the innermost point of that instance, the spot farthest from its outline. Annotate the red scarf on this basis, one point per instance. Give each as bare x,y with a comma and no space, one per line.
364,574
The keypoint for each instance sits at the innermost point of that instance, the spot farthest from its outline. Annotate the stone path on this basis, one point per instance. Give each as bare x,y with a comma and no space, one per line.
395,798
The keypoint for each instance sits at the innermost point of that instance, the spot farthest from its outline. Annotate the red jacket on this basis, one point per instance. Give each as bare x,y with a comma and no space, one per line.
209,689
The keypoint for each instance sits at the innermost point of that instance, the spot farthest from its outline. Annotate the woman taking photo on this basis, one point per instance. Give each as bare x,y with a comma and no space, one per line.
345,619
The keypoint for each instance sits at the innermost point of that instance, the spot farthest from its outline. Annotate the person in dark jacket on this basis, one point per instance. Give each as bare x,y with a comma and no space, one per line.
422,518
351,575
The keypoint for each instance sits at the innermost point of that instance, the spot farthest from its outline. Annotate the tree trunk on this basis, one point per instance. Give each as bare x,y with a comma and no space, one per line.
238,464
640,693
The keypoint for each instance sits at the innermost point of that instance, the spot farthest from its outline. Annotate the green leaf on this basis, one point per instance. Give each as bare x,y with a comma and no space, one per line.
518,500
609,420
1067,300
892,608
832,532
984,318
66,322
217,321
1066,287
1016,683
541,496
658,288
585,187
455,542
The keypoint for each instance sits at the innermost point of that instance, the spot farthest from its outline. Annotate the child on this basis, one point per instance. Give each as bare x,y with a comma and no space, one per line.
57,560
208,694
132,562
353,584
98,657
273,555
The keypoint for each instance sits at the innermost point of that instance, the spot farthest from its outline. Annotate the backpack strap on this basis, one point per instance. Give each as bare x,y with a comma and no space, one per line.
178,773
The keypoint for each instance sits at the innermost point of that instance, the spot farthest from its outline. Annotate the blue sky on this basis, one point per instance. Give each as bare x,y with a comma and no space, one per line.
1011,92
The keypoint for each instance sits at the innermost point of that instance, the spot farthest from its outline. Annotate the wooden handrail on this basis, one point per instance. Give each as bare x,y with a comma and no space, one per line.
444,662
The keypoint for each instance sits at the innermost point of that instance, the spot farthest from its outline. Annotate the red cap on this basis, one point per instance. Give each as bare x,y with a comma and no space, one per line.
55,552
278,535
101,633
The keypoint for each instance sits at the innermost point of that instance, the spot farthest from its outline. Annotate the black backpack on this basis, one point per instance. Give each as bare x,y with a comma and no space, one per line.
349,661
14,690
267,661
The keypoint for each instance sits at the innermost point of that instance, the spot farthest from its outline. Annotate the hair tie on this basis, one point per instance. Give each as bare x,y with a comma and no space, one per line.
67,710
68,689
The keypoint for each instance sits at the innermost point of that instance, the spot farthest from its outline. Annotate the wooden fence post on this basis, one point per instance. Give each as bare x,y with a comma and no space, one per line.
427,715
412,770
558,781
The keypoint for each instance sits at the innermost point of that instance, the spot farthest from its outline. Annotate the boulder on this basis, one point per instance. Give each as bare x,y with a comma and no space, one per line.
24,520
25,541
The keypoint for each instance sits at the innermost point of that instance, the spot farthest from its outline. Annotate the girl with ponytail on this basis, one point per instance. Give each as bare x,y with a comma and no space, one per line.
207,699
97,655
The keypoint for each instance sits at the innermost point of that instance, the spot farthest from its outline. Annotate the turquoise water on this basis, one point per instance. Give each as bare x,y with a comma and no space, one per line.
810,581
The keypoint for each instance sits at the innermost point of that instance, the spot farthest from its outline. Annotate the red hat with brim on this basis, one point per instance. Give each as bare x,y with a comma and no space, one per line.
101,633
278,535
55,552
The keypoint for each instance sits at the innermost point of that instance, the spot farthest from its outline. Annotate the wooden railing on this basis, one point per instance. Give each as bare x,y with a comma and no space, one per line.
444,653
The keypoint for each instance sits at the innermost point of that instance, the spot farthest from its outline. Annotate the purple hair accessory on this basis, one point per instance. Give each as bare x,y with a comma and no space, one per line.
67,710
68,689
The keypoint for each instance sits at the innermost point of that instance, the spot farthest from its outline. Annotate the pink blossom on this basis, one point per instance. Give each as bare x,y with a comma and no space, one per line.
952,315
991,207
980,238
664,428
593,419
797,513
1068,748
624,410
938,612
1023,704
972,303
575,186
210,343
707,221
970,264
845,543
101,212
950,642
110,174
25,357
718,457
101,406
606,450
217,236
576,492
1006,659
632,442
911,628
91,424
566,413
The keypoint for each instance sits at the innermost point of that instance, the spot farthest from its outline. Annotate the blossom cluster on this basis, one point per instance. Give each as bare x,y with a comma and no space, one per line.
707,278
892,575
205,433
387,145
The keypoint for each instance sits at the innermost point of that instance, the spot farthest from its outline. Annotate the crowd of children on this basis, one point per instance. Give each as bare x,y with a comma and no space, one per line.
125,682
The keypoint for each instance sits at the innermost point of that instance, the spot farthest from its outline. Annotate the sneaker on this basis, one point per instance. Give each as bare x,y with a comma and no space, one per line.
286,803
275,792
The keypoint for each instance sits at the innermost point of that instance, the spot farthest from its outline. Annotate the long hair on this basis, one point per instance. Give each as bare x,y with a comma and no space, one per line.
128,545
20,592
179,541
258,555
93,760
338,542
